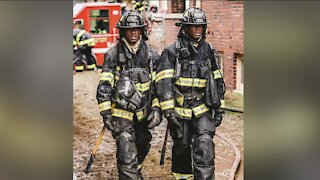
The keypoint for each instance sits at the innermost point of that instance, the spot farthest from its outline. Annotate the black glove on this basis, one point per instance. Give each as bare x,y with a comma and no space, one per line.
172,121
154,119
218,116
109,122
174,125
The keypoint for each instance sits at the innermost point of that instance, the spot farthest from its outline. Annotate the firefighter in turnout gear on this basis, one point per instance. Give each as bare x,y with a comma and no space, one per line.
82,49
126,95
191,91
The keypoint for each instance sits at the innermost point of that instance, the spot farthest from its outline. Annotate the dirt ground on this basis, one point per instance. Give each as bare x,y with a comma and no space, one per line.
87,124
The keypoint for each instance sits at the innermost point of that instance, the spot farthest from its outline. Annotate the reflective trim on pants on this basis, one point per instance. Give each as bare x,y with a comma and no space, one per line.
178,176
79,67
91,66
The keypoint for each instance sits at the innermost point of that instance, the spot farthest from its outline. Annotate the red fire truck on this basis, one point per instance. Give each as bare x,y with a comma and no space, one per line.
99,18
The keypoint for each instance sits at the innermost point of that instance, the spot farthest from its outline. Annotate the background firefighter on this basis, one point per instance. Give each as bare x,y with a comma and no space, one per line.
127,85
82,44
184,87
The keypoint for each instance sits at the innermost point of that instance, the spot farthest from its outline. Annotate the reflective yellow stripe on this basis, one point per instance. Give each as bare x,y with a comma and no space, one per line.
82,32
143,87
179,176
184,112
141,8
140,115
155,102
167,104
92,44
122,114
74,42
107,76
223,104
105,106
217,74
87,41
92,66
153,76
140,166
191,82
200,110
79,67
168,73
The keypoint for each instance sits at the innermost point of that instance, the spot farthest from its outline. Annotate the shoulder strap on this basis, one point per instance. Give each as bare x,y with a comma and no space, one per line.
177,69
150,59
178,47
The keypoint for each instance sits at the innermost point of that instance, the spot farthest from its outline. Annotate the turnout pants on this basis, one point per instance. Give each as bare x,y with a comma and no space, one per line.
91,65
193,154
133,144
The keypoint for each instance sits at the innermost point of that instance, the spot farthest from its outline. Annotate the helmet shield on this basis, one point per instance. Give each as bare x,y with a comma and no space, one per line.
131,19
193,16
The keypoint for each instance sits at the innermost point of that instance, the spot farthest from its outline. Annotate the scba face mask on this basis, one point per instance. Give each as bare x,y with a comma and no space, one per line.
127,96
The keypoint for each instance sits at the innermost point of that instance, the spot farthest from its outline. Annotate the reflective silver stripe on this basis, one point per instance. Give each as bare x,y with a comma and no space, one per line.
184,112
167,104
217,74
105,106
107,76
191,82
122,114
200,110
168,73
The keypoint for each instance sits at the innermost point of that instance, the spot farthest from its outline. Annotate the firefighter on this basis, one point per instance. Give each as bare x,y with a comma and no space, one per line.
102,26
191,90
83,43
126,94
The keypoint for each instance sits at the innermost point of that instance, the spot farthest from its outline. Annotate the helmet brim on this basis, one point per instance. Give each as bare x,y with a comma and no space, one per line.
187,23
130,27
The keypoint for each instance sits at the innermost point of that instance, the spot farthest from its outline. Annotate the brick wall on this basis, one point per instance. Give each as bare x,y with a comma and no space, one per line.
192,3
225,32
177,6
171,31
